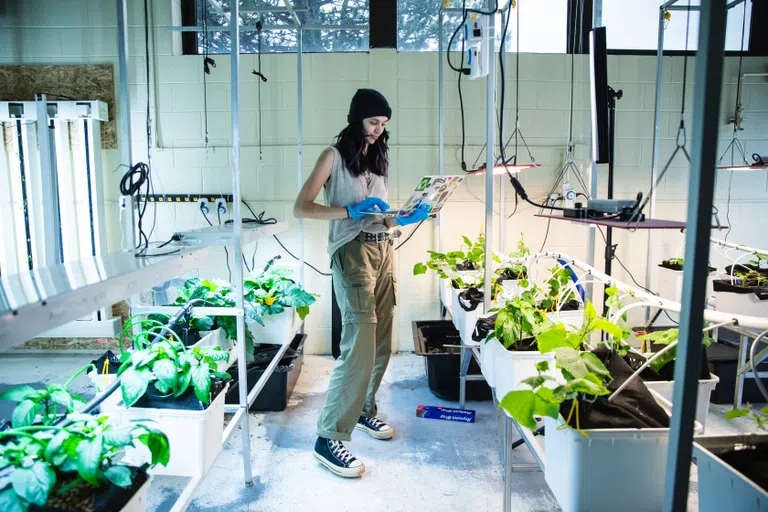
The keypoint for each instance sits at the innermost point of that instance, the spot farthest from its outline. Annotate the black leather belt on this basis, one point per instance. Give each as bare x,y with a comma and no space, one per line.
378,238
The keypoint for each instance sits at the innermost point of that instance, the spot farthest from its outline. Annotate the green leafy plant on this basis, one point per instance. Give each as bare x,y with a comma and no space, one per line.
585,378
515,270
564,336
170,368
271,292
38,462
665,338
448,265
214,294
759,416
673,262
752,279
557,285
519,320
42,405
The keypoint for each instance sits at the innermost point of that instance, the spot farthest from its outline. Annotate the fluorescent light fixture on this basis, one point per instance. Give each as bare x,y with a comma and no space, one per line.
500,170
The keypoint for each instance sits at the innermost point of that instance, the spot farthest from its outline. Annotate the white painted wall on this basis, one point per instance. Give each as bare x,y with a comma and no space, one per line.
84,31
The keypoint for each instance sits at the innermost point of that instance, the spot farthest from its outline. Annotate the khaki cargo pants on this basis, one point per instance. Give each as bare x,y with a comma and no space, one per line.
366,287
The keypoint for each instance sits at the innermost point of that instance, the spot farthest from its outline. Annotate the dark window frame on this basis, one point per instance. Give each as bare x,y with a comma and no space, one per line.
382,23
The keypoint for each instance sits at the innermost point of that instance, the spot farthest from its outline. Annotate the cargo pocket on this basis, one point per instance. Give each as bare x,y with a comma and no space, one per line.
361,301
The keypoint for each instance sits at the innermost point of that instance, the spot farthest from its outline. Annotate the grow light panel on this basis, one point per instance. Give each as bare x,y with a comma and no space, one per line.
753,167
500,170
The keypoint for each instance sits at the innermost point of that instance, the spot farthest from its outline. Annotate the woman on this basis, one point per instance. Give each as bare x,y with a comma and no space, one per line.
353,176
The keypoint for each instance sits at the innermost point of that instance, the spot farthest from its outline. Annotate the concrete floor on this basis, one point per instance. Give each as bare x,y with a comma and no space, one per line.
429,465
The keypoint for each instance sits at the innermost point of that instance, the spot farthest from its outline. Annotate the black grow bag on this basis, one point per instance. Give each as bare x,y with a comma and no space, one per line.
443,364
724,285
279,387
109,498
188,401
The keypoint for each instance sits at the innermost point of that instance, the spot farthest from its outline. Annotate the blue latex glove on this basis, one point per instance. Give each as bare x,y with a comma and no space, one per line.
420,214
357,211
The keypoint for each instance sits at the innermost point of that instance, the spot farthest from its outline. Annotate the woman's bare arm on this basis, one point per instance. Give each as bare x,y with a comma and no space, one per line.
305,206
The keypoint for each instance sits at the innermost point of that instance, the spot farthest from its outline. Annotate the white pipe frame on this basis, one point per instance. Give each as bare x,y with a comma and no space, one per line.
647,298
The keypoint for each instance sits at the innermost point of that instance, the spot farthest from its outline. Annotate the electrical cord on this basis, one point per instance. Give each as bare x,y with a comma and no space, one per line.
613,256
226,251
297,258
410,235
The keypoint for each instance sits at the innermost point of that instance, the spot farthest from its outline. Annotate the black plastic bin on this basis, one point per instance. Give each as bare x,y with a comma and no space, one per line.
444,364
278,389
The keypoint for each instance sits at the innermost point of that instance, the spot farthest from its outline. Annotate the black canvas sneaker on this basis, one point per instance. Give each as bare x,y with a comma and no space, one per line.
374,427
333,455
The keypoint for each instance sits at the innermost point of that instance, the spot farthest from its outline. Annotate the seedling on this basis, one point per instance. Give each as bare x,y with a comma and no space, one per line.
665,338
759,416
42,405
558,282
562,336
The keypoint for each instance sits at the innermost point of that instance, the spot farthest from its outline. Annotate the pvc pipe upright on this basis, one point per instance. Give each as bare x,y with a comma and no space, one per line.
706,110
489,163
502,186
237,239
125,117
597,20
440,118
655,155
300,130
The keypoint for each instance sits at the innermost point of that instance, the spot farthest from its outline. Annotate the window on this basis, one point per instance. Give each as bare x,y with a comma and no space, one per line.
634,26
542,25
329,25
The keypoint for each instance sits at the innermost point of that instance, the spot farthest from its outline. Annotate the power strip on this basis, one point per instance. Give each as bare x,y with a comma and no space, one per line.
184,198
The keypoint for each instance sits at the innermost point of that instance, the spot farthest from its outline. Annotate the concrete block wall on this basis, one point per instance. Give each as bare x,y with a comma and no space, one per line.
86,32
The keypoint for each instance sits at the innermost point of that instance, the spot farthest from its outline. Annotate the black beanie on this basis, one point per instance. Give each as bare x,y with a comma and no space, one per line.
368,103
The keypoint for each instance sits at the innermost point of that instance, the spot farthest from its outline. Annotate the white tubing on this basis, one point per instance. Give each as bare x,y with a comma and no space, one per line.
709,315
739,247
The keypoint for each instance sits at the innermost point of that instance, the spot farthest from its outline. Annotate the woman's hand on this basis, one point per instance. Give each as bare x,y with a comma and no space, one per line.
420,214
357,211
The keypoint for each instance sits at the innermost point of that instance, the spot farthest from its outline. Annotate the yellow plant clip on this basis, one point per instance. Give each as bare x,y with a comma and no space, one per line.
514,4
644,346
105,367
575,407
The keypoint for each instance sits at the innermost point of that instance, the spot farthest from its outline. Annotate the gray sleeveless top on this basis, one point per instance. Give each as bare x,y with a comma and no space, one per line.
343,189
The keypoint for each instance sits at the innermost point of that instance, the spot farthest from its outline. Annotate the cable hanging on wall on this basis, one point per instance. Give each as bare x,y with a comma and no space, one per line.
263,78
736,147
208,63
569,165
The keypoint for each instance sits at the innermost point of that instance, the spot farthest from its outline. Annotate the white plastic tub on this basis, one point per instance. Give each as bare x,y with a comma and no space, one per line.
511,288
195,437
511,368
276,330
468,321
138,503
489,351
741,303
456,311
706,386
445,294
721,487
612,469
573,319
671,283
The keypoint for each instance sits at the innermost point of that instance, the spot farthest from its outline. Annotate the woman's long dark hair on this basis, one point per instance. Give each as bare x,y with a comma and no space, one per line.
350,143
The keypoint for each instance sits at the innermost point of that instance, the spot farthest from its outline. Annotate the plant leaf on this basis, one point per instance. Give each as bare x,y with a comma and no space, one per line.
201,381
589,311
119,436
24,414
119,475
552,338
133,385
63,398
158,446
182,383
19,393
55,444
536,381
10,502
542,407
586,386
520,404
302,311
89,453
568,359
166,372
594,364
737,413
609,327
542,366
33,484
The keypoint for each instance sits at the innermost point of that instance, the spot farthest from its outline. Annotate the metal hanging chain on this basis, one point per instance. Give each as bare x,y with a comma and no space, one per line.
736,145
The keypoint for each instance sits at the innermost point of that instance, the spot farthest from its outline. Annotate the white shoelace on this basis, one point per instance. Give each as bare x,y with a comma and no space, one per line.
338,449
376,423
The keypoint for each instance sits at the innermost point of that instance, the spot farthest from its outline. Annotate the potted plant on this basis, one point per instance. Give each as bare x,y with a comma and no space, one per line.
275,300
671,279
746,294
660,375
594,437
560,302
512,279
731,469
79,465
181,389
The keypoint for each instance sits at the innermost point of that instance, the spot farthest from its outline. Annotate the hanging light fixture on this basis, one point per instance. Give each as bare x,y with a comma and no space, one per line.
739,160
503,165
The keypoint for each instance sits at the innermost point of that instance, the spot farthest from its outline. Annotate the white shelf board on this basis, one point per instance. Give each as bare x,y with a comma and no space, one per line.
223,235
39,300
